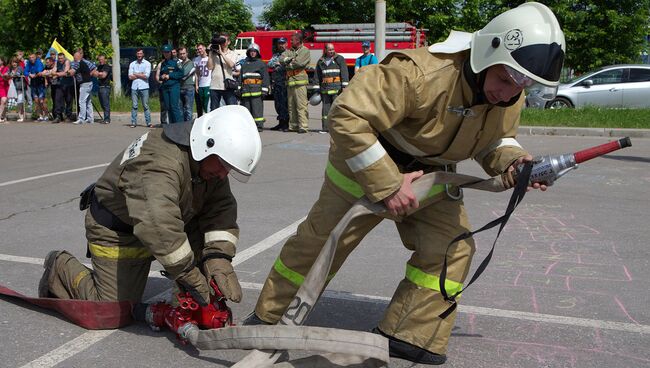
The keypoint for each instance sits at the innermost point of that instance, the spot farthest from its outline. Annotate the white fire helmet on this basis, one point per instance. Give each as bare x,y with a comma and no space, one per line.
528,41
230,133
315,99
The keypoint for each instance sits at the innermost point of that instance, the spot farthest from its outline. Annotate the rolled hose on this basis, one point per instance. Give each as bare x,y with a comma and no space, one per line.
344,347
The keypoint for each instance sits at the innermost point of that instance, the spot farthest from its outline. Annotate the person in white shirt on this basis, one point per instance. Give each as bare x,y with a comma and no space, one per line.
139,71
202,80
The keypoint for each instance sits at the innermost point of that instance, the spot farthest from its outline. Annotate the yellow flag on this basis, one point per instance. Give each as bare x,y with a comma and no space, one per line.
57,48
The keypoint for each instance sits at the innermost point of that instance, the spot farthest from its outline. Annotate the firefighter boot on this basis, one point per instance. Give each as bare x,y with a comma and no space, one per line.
48,264
403,350
283,125
252,320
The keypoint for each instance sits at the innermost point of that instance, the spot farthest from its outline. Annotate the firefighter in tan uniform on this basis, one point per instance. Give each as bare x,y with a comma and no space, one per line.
295,60
166,197
419,111
332,76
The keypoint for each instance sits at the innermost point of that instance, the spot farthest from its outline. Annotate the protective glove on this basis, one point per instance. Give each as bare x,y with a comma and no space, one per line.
220,269
194,282
509,177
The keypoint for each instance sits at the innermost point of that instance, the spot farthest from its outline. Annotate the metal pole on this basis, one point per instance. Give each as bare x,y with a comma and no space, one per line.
380,29
115,42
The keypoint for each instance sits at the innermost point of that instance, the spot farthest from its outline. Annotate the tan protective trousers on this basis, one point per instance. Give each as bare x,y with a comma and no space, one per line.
298,114
412,314
119,269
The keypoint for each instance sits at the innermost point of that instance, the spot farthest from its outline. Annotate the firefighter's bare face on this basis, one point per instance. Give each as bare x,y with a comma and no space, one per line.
211,167
499,86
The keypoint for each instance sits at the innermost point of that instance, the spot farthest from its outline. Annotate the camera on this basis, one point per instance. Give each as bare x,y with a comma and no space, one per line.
216,42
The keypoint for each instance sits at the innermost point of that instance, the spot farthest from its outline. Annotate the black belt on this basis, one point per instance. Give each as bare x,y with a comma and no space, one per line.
101,214
407,161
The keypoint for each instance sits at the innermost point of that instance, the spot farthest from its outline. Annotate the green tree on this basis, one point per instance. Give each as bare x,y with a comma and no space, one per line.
600,33
187,22
32,24
297,14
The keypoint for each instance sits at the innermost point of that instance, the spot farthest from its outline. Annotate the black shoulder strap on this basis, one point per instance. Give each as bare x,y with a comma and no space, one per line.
517,196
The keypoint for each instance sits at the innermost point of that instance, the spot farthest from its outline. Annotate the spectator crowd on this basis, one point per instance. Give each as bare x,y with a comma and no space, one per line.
212,78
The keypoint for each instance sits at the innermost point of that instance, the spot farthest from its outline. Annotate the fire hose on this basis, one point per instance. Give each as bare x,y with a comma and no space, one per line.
210,328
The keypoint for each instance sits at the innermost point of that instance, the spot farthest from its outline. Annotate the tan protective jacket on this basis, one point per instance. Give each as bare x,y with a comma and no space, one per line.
295,62
421,104
154,186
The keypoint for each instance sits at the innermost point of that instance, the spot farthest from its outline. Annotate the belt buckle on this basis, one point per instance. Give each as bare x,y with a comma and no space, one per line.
447,186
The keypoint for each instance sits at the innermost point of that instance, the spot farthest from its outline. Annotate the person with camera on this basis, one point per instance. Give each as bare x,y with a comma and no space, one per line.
221,62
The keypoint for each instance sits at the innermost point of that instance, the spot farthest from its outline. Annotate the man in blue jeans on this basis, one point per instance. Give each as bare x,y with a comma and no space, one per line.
139,71
187,83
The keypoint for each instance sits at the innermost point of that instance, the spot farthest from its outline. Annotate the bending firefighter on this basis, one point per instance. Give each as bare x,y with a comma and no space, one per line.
420,111
166,197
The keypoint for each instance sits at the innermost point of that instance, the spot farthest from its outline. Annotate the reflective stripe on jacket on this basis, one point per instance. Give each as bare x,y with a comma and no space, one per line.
333,77
254,78
154,186
295,62
412,99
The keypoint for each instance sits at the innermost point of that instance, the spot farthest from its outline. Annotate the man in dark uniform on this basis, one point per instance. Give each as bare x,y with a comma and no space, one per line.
279,86
170,76
104,76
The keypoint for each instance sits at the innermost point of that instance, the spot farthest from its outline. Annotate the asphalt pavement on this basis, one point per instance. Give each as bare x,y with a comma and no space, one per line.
567,286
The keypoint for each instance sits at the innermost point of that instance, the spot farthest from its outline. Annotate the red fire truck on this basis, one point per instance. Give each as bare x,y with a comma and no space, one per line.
346,38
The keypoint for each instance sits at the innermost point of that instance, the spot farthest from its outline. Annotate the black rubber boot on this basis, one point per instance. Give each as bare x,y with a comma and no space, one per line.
403,350
48,264
253,320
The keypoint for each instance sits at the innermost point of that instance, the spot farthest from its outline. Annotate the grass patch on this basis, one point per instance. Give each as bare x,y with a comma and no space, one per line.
123,104
588,117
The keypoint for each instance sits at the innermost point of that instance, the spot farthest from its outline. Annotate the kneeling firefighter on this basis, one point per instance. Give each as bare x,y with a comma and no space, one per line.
254,84
166,197
420,111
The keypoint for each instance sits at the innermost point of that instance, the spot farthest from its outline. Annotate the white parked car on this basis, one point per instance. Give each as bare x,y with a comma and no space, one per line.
611,86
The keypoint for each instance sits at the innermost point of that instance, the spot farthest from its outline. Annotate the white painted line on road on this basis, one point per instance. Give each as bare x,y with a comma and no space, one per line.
52,174
493,312
266,243
87,339
483,311
69,349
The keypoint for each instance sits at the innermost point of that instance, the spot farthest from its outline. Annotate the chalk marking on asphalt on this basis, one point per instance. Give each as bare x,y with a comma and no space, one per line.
87,339
52,174
490,312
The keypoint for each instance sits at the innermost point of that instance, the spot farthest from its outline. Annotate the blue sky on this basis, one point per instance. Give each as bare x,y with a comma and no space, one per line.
257,6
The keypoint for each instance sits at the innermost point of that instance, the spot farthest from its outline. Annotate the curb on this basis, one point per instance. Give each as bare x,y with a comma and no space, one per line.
585,132
534,130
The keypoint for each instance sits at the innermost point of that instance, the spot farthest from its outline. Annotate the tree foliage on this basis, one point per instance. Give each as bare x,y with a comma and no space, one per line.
598,32
187,22
33,24
30,25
